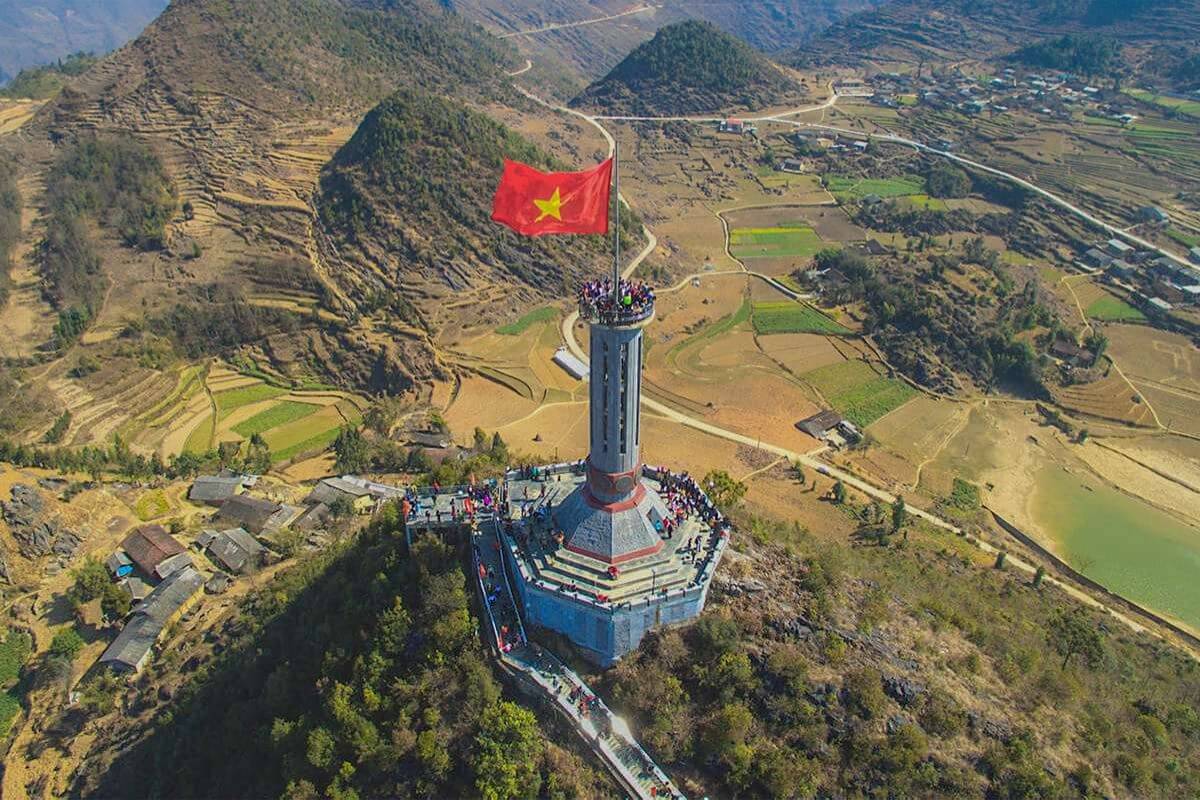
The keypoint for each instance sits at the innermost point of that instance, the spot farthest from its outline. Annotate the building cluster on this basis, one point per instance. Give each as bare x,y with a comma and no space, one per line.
1155,282
1056,94
832,428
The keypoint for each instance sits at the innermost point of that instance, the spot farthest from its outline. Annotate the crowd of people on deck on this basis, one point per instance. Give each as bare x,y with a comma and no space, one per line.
633,301
466,503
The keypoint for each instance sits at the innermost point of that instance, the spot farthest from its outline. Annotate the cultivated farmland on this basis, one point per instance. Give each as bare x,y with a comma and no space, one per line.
790,317
796,241
858,391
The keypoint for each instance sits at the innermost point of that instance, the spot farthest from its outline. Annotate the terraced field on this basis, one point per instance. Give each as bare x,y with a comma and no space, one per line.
790,317
859,392
1112,309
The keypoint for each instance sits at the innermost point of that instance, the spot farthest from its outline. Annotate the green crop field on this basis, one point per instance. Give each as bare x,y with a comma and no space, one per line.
723,325
151,505
799,241
14,652
200,439
1179,104
233,399
1185,239
1112,309
789,317
281,414
544,314
859,392
884,187
313,444
924,201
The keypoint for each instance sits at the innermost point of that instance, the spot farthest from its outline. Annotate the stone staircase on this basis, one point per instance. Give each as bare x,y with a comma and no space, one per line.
659,572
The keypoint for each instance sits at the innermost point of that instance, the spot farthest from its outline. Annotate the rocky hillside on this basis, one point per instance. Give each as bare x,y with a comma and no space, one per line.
688,68
242,138
408,202
1156,33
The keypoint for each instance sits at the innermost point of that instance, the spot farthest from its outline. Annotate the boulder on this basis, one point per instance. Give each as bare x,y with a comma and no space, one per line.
903,690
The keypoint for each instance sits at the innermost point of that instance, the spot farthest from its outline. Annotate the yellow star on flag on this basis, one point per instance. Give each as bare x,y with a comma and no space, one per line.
551,207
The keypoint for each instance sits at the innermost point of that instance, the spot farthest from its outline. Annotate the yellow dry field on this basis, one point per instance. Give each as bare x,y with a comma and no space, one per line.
763,292
800,352
196,413
301,430
311,469
692,306
1177,409
1148,354
668,444
15,113
558,430
731,351
919,429
483,403
1109,398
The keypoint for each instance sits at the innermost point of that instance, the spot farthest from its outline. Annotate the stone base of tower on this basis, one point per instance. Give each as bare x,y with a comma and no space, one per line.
604,577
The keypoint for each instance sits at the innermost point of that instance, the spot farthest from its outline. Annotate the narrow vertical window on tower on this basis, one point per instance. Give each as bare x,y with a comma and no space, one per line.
637,377
606,384
624,398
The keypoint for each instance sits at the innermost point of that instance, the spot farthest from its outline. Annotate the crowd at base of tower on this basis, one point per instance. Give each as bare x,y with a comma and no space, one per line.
606,609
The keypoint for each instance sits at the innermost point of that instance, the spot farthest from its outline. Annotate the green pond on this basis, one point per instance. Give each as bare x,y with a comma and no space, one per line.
1125,545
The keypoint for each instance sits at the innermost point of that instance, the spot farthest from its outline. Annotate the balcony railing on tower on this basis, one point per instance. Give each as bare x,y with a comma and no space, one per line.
633,303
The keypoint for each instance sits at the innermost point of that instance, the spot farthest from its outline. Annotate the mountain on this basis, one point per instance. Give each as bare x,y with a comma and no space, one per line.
591,50
916,31
687,68
43,31
407,202
242,138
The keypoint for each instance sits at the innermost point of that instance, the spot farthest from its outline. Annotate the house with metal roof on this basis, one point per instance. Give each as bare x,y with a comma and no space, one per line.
149,546
167,603
340,490
253,514
214,490
237,551
171,565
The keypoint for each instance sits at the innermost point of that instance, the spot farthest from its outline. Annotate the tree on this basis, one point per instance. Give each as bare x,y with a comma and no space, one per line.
115,602
723,489
798,471
506,753
899,513
352,450
839,492
1039,576
944,180
66,644
1072,633
91,579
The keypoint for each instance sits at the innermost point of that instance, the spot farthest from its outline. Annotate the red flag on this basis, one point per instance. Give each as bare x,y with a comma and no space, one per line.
535,203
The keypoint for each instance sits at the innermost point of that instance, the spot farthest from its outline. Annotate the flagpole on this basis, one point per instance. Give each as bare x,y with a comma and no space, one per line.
617,221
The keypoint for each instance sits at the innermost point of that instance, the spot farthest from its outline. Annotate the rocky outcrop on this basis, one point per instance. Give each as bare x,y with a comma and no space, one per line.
37,533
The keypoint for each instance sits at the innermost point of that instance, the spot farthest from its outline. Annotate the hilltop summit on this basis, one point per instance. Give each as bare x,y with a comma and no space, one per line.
687,68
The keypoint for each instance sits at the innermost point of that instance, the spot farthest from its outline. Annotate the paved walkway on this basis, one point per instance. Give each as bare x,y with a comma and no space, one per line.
607,735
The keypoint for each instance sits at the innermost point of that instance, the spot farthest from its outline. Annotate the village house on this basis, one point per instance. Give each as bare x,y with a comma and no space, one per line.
1070,353
1194,255
1117,248
163,606
1097,259
256,514
169,566
1153,215
214,490
237,551
831,427
119,564
149,546
339,490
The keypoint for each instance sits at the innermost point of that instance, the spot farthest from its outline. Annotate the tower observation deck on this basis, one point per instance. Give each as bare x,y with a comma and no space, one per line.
606,549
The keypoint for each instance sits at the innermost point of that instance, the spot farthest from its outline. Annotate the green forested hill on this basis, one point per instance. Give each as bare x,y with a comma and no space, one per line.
690,67
356,673
414,185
